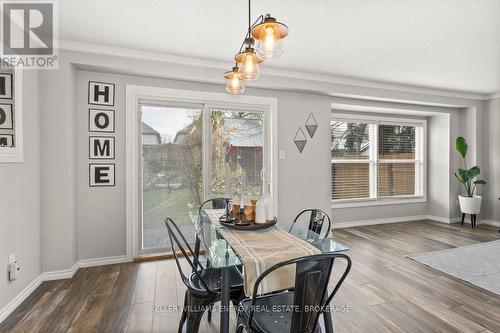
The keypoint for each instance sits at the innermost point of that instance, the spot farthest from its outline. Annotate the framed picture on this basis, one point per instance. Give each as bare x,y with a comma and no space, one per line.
101,93
101,174
6,118
6,140
5,86
101,120
11,116
101,148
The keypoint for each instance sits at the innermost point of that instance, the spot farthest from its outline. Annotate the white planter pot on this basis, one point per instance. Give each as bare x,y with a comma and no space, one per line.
470,205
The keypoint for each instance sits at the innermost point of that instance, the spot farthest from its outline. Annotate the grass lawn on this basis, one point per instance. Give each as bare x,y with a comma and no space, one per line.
159,204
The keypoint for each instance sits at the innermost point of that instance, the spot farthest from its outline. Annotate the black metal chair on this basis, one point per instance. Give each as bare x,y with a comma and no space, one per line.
296,310
217,203
203,285
316,221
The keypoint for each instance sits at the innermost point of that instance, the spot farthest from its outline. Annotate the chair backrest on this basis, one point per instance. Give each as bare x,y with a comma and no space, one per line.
317,219
312,275
179,244
217,203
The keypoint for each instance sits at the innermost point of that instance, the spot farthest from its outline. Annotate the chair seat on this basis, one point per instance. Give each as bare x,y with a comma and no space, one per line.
272,313
213,278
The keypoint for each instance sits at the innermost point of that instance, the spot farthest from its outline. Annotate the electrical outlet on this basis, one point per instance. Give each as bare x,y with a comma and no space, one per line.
282,155
14,270
457,203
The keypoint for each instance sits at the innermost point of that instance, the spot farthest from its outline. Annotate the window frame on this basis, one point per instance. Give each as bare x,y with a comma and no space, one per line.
373,161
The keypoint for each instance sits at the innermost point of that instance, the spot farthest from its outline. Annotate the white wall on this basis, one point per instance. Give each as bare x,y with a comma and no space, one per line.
20,222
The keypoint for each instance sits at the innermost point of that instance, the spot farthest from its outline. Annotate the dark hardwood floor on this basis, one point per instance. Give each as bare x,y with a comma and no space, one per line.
385,292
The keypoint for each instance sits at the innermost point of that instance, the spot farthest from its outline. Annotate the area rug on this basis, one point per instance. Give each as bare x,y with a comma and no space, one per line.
478,264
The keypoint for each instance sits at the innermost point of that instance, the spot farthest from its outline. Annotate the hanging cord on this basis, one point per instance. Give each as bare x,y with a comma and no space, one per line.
250,25
249,16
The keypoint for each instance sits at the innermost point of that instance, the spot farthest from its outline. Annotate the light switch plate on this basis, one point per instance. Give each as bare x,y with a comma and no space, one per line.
12,258
282,155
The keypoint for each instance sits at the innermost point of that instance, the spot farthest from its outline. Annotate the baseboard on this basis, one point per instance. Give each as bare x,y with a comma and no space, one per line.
396,220
12,305
379,221
446,220
102,261
490,222
57,275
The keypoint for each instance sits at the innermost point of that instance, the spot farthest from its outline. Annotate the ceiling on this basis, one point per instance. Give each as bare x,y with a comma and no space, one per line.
444,44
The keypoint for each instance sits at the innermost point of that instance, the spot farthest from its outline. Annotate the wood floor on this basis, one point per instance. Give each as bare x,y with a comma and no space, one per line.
385,292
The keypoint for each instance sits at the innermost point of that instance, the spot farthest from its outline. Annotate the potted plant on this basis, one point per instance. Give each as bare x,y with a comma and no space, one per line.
469,203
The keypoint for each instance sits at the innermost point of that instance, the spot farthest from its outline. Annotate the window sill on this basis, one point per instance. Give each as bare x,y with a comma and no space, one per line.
377,202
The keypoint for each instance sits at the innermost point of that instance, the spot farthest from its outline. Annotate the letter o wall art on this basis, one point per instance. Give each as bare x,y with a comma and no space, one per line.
101,128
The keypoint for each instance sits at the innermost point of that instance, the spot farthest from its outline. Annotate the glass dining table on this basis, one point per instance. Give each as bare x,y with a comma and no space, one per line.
221,255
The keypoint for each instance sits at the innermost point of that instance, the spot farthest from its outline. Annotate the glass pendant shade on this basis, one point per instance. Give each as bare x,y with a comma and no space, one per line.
269,35
249,62
234,80
270,48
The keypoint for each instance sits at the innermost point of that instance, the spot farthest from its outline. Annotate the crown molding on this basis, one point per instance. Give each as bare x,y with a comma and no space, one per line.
69,45
494,95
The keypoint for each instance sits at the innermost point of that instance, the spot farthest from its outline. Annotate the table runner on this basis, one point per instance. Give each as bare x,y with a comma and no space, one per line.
261,249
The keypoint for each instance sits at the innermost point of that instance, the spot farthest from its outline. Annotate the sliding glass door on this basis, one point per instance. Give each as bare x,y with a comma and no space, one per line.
171,171
192,153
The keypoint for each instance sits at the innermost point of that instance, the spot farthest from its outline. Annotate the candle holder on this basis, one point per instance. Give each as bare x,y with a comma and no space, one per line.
227,218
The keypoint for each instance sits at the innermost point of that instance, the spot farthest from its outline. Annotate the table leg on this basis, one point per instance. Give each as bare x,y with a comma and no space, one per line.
225,295
197,247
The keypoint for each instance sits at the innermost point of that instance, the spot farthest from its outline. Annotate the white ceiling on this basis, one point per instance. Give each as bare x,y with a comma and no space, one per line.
445,44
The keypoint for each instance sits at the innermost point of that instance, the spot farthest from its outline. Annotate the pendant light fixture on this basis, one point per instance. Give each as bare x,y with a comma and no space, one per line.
269,33
249,61
235,81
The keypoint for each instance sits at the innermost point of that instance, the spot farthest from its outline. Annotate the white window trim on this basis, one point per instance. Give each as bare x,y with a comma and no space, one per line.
377,201
135,94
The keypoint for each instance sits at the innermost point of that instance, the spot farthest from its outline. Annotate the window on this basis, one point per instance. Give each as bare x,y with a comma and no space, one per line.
237,145
377,160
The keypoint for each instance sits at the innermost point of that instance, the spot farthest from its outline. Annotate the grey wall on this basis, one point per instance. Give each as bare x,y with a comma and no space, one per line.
80,223
20,222
101,211
51,219
438,171
58,167
491,169
443,125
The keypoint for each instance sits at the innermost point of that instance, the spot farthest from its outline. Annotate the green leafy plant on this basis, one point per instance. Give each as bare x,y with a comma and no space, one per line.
467,176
